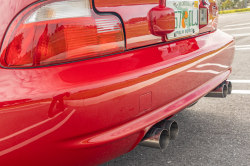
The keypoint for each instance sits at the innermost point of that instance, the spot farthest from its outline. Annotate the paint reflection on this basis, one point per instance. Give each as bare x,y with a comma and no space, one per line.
176,50
58,104
18,144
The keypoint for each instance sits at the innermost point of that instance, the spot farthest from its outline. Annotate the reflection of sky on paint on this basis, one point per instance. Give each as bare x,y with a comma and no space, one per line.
203,71
140,85
29,128
212,64
32,84
23,84
128,12
36,83
36,137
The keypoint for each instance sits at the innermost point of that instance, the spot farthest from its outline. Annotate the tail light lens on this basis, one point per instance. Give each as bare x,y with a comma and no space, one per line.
59,31
203,16
204,8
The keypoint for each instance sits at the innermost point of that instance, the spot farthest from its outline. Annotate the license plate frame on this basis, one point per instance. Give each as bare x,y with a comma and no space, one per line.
186,18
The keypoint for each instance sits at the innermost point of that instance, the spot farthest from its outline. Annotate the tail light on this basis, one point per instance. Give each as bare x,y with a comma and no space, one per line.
203,16
57,31
204,8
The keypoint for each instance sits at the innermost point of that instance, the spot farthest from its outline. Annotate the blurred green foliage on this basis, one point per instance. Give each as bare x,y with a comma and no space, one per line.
234,11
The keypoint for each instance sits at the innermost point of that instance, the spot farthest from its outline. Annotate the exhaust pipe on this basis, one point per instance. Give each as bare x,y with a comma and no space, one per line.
160,134
229,87
221,91
156,138
171,126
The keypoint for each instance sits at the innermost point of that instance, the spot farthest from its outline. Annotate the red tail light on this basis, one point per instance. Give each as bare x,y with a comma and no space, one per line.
52,32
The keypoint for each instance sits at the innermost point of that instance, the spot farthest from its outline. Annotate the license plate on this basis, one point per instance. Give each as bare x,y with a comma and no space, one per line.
186,18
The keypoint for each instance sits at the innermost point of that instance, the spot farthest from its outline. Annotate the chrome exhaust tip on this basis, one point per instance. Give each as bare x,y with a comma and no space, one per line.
156,138
173,129
229,87
221,91
171,126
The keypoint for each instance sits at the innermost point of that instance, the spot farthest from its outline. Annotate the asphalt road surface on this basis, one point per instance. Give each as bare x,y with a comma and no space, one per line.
214,131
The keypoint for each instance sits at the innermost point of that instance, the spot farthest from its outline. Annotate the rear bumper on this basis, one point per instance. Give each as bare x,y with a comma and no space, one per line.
92,111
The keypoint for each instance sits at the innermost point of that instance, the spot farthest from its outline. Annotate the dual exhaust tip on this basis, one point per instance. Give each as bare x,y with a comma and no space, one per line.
160,134
224,89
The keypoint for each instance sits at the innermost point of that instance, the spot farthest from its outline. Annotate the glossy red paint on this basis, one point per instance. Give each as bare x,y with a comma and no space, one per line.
136,22
161,20
73,113
89,112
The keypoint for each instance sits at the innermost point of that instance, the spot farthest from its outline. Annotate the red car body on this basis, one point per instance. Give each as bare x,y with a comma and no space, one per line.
109,102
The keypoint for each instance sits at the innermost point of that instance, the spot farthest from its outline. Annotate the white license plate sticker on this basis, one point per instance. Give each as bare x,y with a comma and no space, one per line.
186,18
